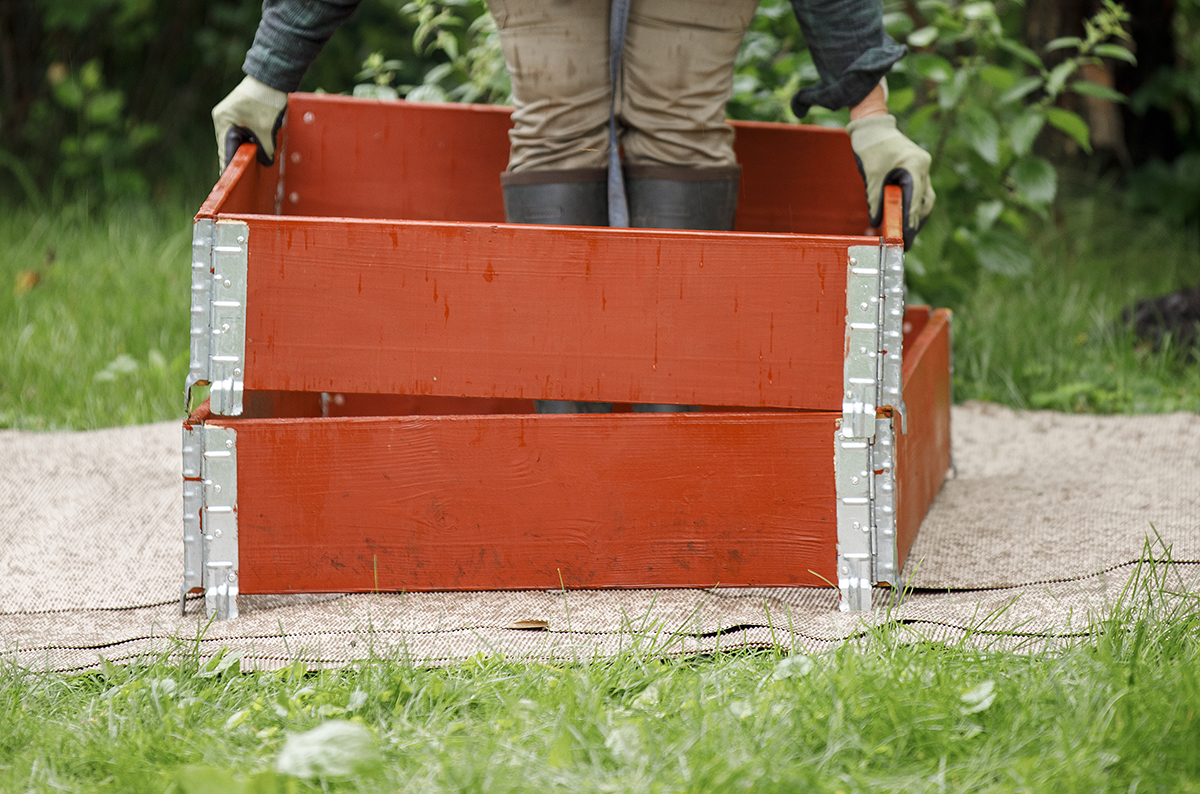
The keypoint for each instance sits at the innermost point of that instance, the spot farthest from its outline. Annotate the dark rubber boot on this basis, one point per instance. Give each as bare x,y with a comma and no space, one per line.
665,197
575,197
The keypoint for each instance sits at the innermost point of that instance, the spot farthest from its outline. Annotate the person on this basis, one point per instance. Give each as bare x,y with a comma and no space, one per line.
647,78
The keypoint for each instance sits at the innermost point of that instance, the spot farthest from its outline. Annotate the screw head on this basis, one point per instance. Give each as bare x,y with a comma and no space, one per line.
229,443
309,118
225,327
295,157
217,488
228,283
294,197
238,373
216,533
232,577
241,239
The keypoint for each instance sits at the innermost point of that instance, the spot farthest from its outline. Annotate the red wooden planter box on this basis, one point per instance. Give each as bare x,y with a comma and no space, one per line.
374,336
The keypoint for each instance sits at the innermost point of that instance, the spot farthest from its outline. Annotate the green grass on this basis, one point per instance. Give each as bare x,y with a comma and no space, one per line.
1117,712
1054,339
102,338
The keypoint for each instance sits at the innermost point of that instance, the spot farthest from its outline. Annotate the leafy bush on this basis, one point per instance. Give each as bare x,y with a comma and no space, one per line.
972,95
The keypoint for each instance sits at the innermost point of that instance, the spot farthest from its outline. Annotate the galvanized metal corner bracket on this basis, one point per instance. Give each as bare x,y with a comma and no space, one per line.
864,441
210,525
220,254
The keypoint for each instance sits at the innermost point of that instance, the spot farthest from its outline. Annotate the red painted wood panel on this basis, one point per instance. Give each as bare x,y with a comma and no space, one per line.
534,312
798,178
369,159
923,453
363,158
244,186
503,502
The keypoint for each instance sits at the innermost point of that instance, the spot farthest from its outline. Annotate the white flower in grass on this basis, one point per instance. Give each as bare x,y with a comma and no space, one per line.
333,749
979,698
792,667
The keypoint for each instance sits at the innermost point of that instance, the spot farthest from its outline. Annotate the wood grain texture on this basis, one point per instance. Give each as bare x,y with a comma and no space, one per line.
535,312
893,215
415,161
506,502
923,453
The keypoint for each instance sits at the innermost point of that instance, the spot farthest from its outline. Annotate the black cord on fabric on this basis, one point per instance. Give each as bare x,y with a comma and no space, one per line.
618,207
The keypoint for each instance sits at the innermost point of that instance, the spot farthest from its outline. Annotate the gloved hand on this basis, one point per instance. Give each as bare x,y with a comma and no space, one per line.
252,112
886,157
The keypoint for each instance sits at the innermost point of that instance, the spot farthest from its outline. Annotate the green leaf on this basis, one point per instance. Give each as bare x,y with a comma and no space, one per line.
90,75
1058,77
1035,180
1022,89
932,67
950,93
1071,124
1002,251
901,100
1024,130
1021,51
987,213
920,118
1097,90
897,24
69,94
998,77
333,749
1062,43
982,133
1115,51
923,37
105,107
982,10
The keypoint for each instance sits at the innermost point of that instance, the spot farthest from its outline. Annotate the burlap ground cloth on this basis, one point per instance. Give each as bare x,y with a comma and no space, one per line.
1031,543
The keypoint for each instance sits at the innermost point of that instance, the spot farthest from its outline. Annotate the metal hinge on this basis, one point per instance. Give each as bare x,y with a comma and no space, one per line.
210,536
864,442
220,252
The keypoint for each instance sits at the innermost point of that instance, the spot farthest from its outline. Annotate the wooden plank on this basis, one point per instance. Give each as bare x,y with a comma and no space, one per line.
418,161
893,215
368,159
798,178
244,186
923,453
508,502
535,312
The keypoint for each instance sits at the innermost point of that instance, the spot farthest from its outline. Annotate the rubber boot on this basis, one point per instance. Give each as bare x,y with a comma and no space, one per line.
572,197
575,197
666,197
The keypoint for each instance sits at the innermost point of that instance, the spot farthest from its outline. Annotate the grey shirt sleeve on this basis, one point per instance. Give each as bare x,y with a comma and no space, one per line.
289,38
850,49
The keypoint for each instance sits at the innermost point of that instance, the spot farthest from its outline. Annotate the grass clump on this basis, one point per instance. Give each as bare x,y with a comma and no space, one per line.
1055,339
1119,711
93,316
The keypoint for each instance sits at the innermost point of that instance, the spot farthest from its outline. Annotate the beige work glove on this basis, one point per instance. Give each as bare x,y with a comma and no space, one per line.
251,113
886,157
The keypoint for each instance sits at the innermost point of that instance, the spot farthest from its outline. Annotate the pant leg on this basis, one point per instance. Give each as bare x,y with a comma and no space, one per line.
557,55
677,76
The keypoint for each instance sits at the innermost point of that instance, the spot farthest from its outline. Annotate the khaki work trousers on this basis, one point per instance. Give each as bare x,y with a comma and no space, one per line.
676,78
